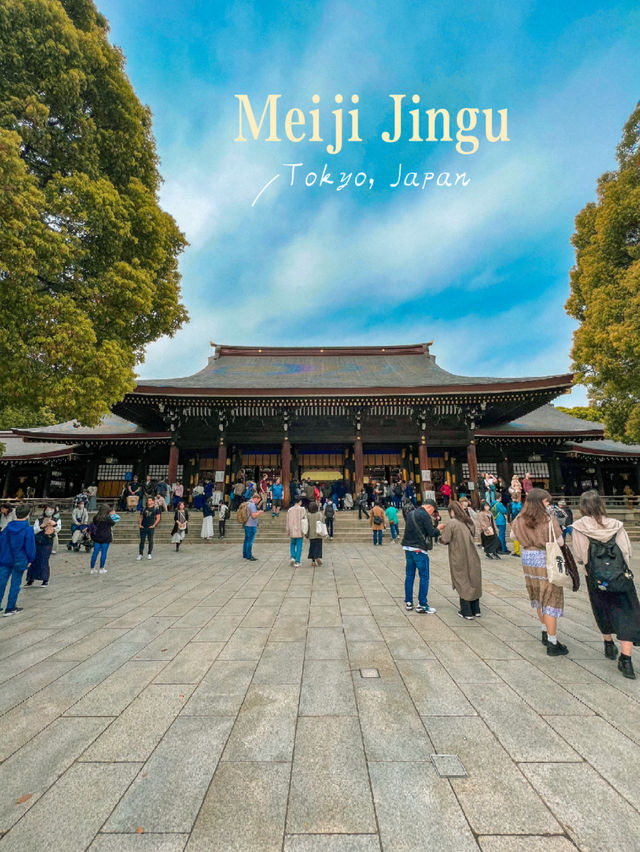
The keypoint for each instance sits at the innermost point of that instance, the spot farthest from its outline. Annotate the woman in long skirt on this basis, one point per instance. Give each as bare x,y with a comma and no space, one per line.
531,529
615,612
315,539
488,531
207,521
180,524
464,560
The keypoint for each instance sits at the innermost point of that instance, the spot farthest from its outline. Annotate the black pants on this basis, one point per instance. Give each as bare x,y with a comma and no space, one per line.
221,525
362,509
470,607
146,532
329,523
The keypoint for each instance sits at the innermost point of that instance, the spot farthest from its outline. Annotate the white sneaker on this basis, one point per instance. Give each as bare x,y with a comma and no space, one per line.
139,557
102,571
93,571
292,561
149,556
296,564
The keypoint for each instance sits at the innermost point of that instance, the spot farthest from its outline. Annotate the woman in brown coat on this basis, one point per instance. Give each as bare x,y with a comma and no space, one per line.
531,529
488,531
377,522
464,560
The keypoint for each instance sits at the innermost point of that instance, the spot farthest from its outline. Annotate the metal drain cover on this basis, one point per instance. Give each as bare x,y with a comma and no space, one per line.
369,673
448,766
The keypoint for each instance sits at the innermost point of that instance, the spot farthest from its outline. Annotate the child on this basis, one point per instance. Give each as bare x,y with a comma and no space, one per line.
39,568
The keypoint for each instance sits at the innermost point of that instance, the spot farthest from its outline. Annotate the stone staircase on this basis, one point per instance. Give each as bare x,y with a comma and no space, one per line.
347,528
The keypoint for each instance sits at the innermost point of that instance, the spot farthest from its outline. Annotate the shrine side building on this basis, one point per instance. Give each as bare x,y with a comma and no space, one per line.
348,413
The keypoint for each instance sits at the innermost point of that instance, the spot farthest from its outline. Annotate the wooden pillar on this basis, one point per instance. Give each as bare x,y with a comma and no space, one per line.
472,461
46,480
423,458
5,487
221,464
173,462
357,453
285,454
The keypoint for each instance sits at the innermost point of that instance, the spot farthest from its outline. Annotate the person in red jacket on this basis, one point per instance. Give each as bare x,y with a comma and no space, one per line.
445,491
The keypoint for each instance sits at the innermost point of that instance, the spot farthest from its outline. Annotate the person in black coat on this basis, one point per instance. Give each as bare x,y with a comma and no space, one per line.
417,540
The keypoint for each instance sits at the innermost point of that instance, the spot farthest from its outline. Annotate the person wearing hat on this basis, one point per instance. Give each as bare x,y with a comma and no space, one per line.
417,540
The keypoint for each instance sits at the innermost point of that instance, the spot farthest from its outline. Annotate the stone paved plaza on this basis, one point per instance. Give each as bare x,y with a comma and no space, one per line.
202,702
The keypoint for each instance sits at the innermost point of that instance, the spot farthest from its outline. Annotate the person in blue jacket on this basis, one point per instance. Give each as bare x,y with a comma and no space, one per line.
17,552
499,512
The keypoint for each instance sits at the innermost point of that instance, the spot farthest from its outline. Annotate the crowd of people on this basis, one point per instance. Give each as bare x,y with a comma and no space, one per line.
538,527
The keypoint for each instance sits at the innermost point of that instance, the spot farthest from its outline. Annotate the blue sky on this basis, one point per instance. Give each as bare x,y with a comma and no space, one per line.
481,270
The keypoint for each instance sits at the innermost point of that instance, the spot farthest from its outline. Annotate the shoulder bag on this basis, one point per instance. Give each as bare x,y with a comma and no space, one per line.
557,572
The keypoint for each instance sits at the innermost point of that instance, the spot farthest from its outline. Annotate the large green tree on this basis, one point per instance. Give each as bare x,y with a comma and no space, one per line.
88,260
605,292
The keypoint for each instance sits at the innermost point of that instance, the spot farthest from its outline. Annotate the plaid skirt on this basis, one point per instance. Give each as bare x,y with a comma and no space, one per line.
542,594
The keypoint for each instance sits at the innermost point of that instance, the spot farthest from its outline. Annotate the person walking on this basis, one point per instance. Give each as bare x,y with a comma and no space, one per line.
17,552
39,568
100,532
499,512
315,538
377,522
251,527
515,489
147,522
391,514
180,525
363,502
445,492
133,494
568,524
295,523
527,486
207,520
223,514
329,516
531,528
488,531
177,491
417,540
464,560
616,612
276,497
92,494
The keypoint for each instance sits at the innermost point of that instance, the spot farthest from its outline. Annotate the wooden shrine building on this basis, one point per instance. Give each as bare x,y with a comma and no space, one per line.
348,413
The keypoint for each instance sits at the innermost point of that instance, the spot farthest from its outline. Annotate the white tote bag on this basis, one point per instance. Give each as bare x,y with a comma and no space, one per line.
304,524
321,529
556,566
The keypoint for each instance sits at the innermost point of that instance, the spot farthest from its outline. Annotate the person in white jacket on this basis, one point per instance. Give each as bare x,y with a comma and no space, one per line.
615,612
295,530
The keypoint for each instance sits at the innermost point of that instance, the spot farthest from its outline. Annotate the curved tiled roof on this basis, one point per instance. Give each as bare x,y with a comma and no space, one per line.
334,368
18,449
111,427
546,420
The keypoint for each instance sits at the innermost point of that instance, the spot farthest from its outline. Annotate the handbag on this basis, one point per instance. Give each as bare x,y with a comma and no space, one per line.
321,529
304,525
557,572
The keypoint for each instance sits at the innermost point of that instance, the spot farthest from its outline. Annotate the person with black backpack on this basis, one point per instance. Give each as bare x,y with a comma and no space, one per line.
329,515
417,540
602,545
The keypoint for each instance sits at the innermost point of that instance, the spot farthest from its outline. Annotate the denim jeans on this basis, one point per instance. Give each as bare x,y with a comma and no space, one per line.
329,523
377,536
146,533
419,561
394,531
295,549
99,547
14,572
249,535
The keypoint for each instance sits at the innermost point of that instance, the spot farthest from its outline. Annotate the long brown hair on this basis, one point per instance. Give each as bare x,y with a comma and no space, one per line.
534,512
592,504
456,511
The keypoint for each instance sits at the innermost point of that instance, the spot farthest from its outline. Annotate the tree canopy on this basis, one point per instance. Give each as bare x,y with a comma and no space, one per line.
583,412
605,292
88,260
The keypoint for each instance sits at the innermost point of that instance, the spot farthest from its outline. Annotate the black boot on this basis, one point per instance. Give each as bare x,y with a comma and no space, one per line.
556,649
610,650
544,637
626,666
